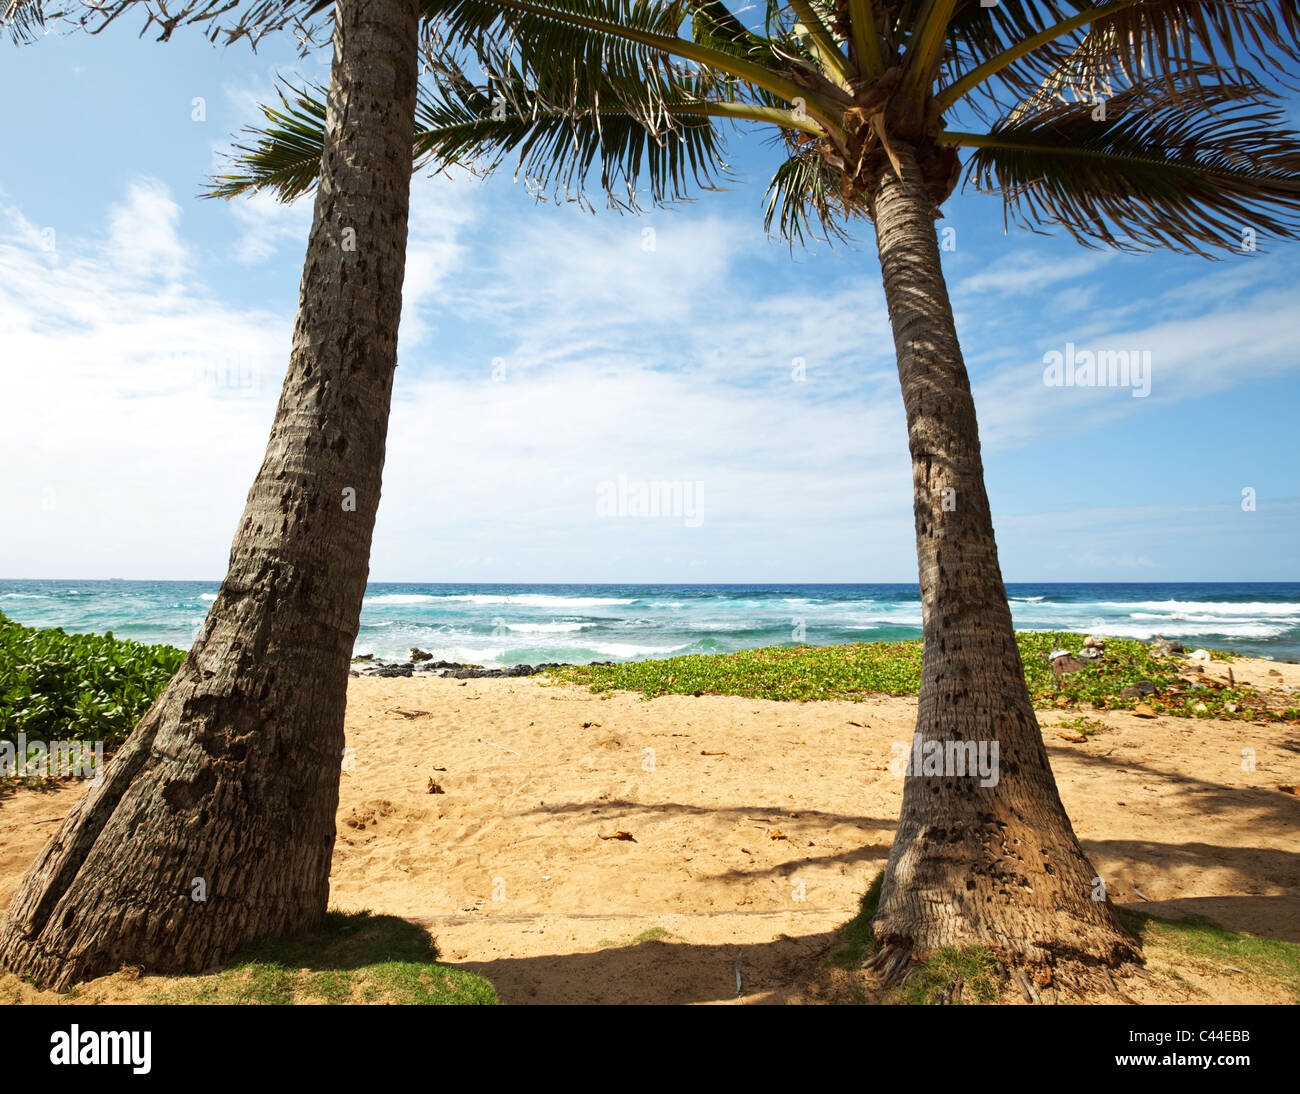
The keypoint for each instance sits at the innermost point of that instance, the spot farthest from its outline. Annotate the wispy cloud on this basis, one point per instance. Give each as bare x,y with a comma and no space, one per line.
144,398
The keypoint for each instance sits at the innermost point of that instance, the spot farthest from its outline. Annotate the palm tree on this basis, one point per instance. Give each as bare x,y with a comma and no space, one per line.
1132,124
215,821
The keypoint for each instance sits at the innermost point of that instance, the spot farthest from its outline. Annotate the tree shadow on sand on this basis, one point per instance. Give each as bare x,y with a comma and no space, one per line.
659,971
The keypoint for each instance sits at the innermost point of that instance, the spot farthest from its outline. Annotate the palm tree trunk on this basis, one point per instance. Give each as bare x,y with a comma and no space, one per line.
997,865
215,821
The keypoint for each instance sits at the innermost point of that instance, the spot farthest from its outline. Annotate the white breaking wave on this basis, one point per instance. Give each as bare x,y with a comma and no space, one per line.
207,596
540,600
547,628
1028,599
1204,607
24,596
1180,629
524,600
627,649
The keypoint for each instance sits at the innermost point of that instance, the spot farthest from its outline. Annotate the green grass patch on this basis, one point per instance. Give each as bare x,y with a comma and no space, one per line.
356,958
971,969
861,670
774,672
1201,941
77,687
974,967
654,934
855,941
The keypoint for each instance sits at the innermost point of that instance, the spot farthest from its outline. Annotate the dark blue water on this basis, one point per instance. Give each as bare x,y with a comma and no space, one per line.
512,624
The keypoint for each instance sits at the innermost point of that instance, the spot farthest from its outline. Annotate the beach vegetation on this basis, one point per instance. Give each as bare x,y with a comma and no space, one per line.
864,670
56,686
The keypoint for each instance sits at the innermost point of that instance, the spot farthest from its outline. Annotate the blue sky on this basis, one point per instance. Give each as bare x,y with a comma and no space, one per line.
144,333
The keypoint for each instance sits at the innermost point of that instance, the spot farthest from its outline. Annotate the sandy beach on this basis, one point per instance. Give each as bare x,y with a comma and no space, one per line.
740,833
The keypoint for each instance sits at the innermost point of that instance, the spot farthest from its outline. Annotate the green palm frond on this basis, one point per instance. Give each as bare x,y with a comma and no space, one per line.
548,50
666,142
286,159
713,24
1188,173
479,127
607,93
627,43
804,200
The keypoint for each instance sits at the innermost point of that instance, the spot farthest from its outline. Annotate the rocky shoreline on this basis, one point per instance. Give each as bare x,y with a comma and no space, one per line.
422,663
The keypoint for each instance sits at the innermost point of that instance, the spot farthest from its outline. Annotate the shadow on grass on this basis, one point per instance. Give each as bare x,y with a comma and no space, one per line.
356,958
1196,940
658,968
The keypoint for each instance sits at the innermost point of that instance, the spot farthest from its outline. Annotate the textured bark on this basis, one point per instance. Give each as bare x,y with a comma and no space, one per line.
996,865
232,776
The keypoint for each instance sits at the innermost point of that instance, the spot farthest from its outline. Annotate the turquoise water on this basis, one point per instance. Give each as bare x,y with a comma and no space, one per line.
495,625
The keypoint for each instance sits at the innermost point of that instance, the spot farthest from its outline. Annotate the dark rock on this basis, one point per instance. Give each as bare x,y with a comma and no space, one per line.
1140,690
455,670
1063,666
418,654
363,658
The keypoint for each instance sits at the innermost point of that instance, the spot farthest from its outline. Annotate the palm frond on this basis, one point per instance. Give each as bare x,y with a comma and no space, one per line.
977,35
286,158
628,43
713,24
1188,174
223,21
26,20
804,199
1163,37
1139,41
459,123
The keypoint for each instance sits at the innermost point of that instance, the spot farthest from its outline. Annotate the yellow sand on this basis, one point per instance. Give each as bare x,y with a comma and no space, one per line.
755,827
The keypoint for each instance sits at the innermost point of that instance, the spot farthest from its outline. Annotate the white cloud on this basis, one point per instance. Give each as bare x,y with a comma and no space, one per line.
138,401
142,232
266,223
141,400
1030,272
1242,331
442,211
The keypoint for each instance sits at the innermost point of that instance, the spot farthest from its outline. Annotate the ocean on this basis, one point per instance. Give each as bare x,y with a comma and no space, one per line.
501,625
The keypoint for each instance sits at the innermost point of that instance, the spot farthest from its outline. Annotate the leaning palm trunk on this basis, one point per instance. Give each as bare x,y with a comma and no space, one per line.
1184,150
996,864
214,824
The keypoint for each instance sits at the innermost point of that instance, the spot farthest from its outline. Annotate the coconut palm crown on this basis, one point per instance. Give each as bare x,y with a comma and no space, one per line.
1132,124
